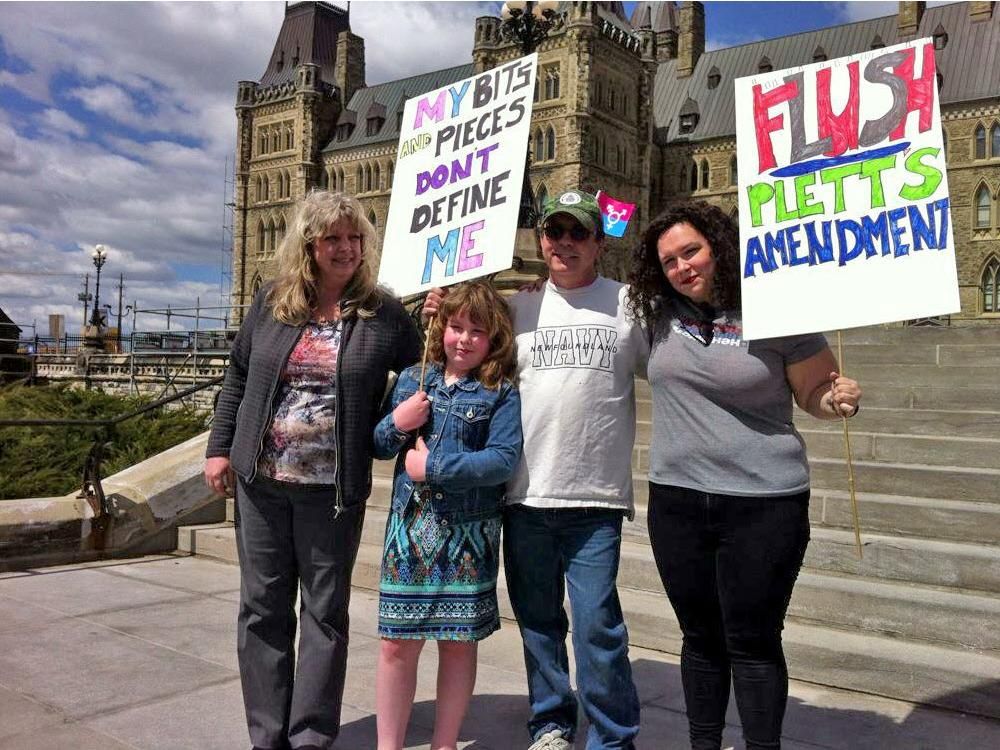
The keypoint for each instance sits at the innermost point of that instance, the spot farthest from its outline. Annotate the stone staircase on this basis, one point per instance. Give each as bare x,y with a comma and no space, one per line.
918,618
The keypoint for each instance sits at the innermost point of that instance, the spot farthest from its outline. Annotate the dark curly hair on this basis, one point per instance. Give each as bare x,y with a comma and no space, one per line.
648,285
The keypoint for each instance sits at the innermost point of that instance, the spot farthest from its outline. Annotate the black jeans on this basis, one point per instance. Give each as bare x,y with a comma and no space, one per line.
728,565
288,544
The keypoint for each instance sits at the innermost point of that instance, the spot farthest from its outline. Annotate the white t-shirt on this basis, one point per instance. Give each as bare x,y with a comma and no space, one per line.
578,354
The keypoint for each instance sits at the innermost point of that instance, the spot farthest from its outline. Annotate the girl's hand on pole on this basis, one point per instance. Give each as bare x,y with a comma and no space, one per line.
416,461
845,395
412,413
432,303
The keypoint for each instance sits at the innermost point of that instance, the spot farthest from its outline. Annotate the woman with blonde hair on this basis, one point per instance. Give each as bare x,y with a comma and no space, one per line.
292,436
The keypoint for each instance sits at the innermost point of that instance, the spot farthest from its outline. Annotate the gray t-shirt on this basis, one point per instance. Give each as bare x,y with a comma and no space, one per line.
722,414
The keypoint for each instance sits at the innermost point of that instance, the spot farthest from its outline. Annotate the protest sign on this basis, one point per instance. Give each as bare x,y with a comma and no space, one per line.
457,186
843,194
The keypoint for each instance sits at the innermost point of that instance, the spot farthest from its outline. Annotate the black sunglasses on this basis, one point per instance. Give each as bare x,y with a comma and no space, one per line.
578,233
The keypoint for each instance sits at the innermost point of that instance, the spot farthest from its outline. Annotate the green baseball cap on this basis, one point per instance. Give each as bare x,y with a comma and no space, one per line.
578,204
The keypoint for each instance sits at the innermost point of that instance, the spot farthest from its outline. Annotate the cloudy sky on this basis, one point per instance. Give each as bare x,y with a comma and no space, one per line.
117,120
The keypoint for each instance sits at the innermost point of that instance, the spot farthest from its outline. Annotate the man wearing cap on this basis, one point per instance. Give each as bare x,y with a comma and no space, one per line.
578,354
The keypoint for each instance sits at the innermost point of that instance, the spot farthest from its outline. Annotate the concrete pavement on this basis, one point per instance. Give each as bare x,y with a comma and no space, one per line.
140,654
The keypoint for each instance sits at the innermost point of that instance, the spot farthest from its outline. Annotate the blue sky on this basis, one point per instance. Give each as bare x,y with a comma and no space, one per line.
116,123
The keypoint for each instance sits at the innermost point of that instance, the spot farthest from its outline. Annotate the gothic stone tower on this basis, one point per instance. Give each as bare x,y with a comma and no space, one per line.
283,121
592,115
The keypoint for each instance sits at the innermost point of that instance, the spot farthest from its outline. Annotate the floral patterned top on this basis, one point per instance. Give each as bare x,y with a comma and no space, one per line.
300,445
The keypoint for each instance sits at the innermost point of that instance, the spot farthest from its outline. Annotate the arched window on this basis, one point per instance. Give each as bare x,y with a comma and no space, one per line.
392,173
260,189
262,142
282,228
612,99
359,179
735,214
378,176
995,141
550,144
552,83
682,180
368,177
261,238
272,232
373,219
289,139
704,174
693,184
980,142
324,179
275,140
537,87
539,146
541,197
266,189
340,181
255,286
990,286
733,172
982,207
604,151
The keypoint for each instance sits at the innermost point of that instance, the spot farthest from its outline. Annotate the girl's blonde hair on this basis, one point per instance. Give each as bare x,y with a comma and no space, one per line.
293,296
484,307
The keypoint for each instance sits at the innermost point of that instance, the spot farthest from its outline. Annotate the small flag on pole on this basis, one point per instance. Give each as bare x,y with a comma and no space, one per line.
615,213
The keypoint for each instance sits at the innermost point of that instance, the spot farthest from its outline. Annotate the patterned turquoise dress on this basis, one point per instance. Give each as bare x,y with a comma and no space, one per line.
439,576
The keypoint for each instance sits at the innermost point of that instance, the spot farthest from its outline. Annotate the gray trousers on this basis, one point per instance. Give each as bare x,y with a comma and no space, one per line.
288,542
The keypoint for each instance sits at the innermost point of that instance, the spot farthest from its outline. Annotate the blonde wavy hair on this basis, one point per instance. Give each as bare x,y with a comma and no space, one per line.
293,295
485,307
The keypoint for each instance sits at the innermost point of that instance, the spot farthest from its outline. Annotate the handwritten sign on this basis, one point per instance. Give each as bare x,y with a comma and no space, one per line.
843,194
457,186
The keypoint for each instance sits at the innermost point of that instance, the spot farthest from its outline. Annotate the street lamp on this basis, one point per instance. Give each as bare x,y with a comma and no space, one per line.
100,257
527,24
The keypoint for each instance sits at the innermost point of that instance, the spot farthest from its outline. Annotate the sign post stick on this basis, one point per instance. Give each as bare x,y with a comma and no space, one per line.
427,343
847,452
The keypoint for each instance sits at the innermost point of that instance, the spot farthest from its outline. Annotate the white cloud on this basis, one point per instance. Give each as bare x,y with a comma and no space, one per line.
74,176
58,122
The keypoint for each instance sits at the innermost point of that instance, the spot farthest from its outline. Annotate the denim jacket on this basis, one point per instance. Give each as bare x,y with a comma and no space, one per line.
473,435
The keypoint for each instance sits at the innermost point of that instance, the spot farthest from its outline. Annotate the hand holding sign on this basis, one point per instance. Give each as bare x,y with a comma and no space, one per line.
454,204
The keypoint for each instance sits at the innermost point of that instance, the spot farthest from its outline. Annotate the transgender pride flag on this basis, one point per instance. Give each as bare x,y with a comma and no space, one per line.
615,214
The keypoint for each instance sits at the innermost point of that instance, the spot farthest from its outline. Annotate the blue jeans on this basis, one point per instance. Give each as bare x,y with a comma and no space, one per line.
544,550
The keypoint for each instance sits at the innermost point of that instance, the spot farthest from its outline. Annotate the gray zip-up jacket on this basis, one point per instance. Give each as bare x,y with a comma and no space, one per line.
369,349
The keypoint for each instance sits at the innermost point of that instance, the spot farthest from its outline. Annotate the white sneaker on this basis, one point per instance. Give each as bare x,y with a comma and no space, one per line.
552,740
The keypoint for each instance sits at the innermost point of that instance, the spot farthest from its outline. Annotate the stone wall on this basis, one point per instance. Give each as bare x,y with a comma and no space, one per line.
153,376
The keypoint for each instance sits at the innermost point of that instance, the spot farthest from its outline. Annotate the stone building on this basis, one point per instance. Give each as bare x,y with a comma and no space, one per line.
630,104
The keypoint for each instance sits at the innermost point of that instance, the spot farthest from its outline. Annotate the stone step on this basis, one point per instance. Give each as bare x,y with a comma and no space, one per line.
988,335
909,480
904,669
946,564
962,565
926,518
932,422
913,670
964,355
954,618
911,376
966,452
880,513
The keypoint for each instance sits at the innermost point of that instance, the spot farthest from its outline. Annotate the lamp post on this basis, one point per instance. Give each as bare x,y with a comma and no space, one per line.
527,24
100,257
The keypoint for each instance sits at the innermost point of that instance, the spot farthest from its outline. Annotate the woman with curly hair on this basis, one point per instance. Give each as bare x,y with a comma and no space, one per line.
293,434
728,476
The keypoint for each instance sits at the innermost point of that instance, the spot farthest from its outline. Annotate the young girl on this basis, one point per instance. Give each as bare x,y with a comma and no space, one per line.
460,439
